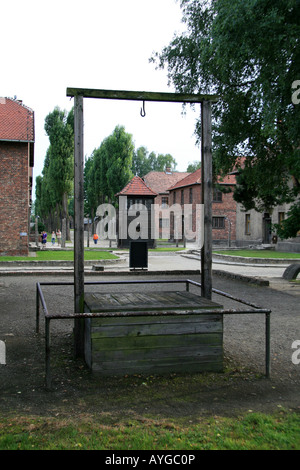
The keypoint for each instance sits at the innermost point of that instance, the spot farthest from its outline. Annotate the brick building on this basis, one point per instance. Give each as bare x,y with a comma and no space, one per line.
188,191
160,182
16,168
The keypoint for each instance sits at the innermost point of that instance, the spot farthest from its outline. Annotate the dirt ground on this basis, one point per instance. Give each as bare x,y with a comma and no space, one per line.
77,392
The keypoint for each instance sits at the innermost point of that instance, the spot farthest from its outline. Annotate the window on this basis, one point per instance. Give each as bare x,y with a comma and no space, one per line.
174,197
218,222
182,197
191,196
164,201
164,223
247,224
280,217
217,195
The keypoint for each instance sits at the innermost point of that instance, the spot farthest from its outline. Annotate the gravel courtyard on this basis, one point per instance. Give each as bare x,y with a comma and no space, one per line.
76,391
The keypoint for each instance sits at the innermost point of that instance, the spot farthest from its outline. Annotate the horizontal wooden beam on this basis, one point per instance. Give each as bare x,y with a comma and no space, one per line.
140,95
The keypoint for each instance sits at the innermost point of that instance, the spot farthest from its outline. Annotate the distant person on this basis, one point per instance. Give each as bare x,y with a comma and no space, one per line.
44,239
58,234
95,238
53,238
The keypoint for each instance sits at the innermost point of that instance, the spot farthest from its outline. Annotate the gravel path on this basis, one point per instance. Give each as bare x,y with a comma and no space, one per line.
242,387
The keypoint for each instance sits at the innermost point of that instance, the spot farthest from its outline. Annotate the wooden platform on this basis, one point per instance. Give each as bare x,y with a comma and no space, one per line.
153,333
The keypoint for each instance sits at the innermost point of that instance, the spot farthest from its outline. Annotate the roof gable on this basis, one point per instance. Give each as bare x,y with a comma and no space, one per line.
161,181
195,178
16,121
137,187
192,178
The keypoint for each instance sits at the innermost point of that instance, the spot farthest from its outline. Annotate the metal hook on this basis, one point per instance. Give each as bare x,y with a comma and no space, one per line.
143,112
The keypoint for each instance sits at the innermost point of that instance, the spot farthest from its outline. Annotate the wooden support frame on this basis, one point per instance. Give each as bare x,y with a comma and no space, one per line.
78,225
206,188
206,146
141,95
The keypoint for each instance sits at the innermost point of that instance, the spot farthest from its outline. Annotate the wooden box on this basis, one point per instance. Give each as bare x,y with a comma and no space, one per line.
153,333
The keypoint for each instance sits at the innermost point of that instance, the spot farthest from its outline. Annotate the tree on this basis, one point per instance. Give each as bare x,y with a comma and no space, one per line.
193,166
143,162
55,186
117,154
247,52
141,165
108,169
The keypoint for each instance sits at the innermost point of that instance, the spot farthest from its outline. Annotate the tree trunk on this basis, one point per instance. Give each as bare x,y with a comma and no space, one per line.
65,215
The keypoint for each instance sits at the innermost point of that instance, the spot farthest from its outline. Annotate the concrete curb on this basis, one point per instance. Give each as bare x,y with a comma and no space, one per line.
240,277
254,261
53,263
70,272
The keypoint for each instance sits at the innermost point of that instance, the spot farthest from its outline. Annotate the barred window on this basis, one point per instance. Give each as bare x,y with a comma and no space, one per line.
164,201
247,224
218,222
217,195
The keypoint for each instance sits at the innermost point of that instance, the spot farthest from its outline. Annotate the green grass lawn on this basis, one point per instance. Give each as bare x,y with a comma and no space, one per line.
252,431
61,255
90,254
258,254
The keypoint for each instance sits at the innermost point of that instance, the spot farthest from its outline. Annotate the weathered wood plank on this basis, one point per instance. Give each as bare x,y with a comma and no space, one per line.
140,95
207,192
97,302
78,226
159,319
157,367
192,341
153,329
164,355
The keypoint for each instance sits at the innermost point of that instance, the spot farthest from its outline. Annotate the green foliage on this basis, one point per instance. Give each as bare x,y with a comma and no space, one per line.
193,166
117,152
143,162
291,225
56,183
108,169
114,163
246,51
59,127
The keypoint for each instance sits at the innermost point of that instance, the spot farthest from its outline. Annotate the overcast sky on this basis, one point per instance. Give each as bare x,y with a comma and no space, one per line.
103,44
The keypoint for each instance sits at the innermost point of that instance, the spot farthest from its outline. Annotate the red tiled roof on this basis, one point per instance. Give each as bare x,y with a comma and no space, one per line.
161,181
195,178
16,121
136,187
192,178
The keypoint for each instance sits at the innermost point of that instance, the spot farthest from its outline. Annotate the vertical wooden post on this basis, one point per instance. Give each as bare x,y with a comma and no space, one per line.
78,226
206,185
268,341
